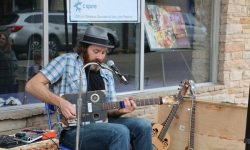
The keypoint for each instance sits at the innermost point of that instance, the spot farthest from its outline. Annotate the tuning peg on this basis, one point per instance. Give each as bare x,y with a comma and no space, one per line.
168,105
189,109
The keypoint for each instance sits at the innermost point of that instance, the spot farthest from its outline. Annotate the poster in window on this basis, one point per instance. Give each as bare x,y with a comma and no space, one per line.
165,27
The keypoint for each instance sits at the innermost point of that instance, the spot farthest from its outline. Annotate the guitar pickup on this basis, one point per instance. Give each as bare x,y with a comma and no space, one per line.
89,107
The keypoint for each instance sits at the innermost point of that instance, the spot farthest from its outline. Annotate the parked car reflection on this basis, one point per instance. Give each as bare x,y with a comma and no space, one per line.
26,32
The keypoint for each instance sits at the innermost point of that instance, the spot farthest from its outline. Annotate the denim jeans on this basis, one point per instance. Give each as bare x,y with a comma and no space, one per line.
117,134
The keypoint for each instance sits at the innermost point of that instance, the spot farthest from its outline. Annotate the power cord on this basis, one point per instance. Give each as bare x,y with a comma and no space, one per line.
51,140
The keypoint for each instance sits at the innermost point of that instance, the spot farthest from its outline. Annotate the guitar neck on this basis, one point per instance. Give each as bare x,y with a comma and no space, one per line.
168,121
192,124
139,102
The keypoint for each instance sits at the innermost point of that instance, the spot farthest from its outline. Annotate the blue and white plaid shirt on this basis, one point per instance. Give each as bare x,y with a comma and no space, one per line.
64,74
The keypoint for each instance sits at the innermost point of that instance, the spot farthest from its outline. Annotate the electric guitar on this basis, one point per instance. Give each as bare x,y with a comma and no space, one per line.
192,117
94,107
160,136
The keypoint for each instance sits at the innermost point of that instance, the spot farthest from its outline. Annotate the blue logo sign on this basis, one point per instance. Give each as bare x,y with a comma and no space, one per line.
77,6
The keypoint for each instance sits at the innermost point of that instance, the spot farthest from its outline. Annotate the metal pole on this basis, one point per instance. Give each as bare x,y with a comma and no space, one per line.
163,70
247,135
188,67
79,101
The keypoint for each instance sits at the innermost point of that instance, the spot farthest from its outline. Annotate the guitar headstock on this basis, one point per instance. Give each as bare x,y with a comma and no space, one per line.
172,99
187,85
192,87
184,87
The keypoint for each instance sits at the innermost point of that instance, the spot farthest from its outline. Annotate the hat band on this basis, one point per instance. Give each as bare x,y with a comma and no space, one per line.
95,40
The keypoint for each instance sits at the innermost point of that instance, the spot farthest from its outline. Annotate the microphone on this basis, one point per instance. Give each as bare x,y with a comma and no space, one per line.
111,64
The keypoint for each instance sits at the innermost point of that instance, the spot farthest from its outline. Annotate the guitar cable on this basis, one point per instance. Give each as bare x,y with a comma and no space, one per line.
51,140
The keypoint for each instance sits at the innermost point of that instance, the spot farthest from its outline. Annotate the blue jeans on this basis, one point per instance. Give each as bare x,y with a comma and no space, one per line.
118,134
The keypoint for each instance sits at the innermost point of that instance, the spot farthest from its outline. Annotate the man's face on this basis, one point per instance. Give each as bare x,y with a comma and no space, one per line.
94,53
2,40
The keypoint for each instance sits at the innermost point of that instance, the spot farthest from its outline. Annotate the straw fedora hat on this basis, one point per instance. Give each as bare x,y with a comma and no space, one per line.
97,36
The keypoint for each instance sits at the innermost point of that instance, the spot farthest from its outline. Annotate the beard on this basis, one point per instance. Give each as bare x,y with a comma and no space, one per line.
86,60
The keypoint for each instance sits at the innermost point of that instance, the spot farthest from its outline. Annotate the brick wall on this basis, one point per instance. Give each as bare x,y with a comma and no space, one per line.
234,62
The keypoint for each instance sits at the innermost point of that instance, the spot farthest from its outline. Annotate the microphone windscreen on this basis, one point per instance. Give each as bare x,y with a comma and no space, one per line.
110,63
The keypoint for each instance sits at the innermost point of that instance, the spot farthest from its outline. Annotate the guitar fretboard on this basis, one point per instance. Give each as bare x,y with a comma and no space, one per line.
192,124
168,122
139,102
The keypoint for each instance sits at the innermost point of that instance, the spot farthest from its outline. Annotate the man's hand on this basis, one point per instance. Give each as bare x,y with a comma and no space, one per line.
129,104
67,109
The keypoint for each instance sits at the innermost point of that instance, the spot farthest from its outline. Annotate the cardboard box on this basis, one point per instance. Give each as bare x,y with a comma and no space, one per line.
218,126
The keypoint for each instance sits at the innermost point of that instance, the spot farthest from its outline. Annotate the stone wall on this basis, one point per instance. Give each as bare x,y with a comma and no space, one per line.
234,54
16,118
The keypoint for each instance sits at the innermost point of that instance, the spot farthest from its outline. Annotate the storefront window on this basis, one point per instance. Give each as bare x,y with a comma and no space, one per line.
176,43
22,21
21,53
178,34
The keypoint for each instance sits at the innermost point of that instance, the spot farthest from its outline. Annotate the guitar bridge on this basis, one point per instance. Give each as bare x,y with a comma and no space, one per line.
72,121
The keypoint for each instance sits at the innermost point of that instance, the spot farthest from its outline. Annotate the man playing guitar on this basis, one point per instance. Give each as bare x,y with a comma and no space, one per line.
63,73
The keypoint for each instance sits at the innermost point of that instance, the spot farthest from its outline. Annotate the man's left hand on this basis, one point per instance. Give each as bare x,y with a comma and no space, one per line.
129,104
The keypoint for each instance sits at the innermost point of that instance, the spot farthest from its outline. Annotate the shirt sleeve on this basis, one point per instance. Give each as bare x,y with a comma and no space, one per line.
54,70
110,88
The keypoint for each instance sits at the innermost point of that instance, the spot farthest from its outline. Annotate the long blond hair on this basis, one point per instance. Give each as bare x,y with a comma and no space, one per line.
7,47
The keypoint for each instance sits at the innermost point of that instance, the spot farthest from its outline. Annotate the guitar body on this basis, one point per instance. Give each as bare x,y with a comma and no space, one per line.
94,106
160,135
159,144
91,107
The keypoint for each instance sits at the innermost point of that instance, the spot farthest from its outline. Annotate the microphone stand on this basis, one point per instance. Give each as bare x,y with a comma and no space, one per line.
247,134
79,101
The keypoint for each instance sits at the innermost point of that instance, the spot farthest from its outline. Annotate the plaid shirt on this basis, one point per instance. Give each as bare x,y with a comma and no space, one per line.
64,74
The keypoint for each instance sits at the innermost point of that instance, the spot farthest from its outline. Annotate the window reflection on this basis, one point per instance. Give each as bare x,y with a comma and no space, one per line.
187,56
23,22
